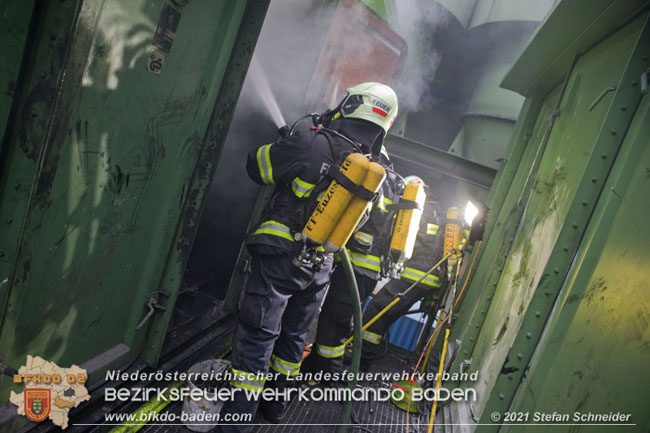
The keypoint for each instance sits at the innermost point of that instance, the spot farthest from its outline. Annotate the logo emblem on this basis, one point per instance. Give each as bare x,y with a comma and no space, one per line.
37,404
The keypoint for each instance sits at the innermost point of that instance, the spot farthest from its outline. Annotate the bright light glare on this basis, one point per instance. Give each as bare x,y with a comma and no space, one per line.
470,212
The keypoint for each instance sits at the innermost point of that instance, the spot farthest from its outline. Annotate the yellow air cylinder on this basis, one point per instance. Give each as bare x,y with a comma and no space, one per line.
453,237
453,232
352,215
335,201
407,224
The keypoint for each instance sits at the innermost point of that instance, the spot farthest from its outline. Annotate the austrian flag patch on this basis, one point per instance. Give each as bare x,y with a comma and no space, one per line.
379,107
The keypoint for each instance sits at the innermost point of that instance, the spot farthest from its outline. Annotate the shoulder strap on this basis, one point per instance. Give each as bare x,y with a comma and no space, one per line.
340,152
336,137
358,190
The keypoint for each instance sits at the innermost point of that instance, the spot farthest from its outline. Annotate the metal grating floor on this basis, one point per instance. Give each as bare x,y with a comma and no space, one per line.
321,417
370,416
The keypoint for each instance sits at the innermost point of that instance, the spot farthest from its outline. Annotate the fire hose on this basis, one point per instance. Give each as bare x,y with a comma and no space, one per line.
346,411
401,296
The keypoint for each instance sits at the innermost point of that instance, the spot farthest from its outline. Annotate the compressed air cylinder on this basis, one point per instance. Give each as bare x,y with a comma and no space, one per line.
453,237
453,231
407,224
335,201
352,215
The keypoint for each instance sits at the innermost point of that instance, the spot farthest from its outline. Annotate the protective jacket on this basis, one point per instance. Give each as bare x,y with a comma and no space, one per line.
428,250
298,165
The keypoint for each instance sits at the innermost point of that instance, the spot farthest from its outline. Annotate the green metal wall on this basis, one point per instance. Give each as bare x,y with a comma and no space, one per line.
14,28
494,251
106,167
594,353
565,157
555,318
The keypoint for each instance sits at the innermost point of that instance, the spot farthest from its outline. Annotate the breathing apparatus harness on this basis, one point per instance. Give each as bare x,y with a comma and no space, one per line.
313,252
321,122
306,251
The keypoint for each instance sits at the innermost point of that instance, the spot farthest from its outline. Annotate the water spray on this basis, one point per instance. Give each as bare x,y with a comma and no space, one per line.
264,91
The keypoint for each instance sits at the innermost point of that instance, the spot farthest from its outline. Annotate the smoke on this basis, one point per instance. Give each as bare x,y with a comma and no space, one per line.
273,92
286,55
296,33
417,22
280,87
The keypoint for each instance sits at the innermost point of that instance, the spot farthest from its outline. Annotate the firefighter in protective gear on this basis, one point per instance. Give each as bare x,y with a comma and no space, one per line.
281,299
428,250
407,223
367,249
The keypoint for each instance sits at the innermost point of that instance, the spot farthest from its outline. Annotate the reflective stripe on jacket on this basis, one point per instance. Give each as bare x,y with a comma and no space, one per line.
295,165
273,233
367,261
413,274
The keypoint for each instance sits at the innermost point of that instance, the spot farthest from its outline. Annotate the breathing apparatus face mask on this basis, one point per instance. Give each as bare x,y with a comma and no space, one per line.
326,118
368,134
318,120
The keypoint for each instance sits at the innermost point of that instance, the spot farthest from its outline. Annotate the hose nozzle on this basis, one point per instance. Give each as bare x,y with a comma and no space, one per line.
284,131
317,119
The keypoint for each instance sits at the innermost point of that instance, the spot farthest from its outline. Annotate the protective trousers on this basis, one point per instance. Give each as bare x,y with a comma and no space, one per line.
279,305
373,336
335,322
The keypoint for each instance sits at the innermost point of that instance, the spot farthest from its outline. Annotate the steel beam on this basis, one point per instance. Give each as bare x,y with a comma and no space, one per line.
401,148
